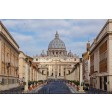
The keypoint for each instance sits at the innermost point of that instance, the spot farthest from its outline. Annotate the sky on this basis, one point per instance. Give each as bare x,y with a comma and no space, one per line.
34,35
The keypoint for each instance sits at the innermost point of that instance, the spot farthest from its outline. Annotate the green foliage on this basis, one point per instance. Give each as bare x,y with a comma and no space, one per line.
24,83
35,82
30,82
41,81
77,83
74,81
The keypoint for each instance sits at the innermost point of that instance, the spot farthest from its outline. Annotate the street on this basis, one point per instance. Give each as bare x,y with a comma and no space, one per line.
55,87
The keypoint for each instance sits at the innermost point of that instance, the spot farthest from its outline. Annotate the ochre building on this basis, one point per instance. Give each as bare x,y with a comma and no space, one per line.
101,59
9,53
27,69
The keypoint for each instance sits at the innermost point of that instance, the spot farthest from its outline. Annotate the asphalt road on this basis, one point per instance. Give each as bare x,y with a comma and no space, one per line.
55,87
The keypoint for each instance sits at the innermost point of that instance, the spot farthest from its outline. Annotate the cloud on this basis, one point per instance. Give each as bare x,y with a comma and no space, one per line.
77,47
34,35
21,37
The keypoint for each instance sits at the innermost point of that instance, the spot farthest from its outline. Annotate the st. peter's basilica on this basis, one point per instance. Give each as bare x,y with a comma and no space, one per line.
57,63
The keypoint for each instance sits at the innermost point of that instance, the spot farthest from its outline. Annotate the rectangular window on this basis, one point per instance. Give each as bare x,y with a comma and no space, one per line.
3,68
92,64
103,57
4,81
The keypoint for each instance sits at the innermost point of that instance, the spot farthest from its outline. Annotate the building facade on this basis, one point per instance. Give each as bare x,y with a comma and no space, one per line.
27,67
9,53
57,63
22,63
101,59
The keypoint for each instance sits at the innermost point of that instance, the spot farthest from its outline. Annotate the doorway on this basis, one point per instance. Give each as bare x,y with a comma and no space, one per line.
59,74
105,83
52,74
100,82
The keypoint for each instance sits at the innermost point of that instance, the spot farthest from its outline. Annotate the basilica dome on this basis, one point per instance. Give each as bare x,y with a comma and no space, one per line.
56,43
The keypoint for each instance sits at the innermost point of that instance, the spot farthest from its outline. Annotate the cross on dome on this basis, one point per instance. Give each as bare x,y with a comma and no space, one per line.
56,35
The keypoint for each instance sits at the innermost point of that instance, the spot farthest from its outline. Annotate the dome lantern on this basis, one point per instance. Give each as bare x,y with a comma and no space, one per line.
56,35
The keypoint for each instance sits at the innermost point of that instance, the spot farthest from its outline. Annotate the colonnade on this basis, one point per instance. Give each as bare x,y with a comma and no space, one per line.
56,70
57,53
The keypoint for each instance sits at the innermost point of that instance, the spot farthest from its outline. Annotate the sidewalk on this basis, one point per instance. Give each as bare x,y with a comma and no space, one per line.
17,90
73,90
35,90
97,91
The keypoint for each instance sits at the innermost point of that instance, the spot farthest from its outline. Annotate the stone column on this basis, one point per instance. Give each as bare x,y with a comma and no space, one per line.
33,75
26,77
62,53
54,71
109,63
40,75
80,73
37,75
0,56
30,73
57,71
77,72
61,70
49,70
0,66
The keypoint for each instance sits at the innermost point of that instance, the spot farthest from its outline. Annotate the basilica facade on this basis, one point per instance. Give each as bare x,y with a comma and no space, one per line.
57,63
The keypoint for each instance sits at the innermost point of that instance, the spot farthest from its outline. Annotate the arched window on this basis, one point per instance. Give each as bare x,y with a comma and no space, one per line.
42,71
52,74
69,71
59,74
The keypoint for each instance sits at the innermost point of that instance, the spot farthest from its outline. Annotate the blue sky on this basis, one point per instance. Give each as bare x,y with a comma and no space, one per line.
34,35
